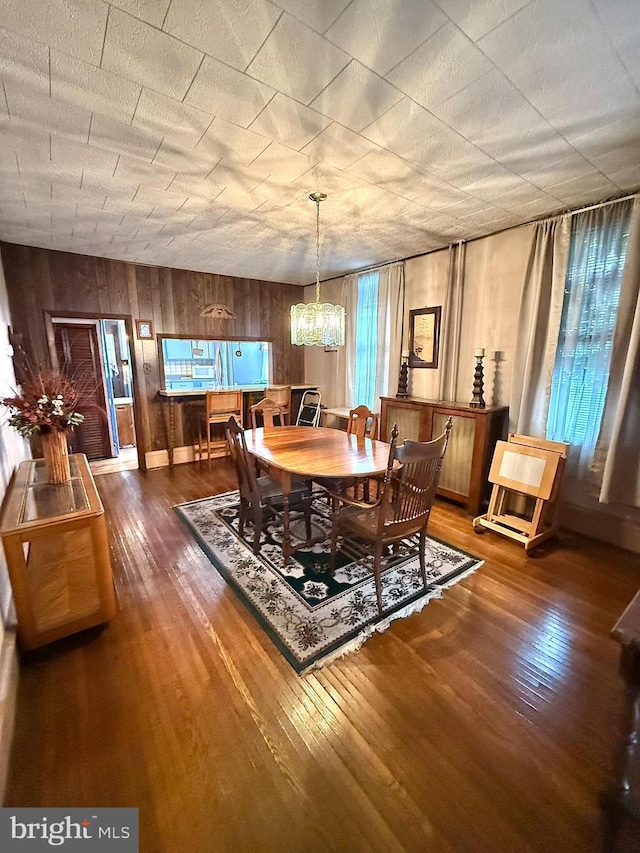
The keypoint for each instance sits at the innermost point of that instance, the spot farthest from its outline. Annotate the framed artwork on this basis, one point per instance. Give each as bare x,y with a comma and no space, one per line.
144,330
424,337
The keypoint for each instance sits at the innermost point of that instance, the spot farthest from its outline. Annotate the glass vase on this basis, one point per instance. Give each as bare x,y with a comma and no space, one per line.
56,456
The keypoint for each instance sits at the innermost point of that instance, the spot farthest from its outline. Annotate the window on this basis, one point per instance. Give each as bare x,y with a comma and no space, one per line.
193,365
583,357
366,340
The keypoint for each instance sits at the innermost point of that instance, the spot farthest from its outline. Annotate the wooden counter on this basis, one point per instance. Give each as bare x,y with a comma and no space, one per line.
55,542
250,394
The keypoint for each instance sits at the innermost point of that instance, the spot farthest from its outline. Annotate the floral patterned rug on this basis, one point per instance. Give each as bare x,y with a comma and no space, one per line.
312,616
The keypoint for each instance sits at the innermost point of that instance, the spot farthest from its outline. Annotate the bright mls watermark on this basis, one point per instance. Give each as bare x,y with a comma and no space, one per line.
79,830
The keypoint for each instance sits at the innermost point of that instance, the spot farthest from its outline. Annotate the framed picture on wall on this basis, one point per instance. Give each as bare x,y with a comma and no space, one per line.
144,330
424,337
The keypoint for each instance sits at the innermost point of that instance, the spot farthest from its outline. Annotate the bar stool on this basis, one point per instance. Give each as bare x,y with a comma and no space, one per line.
219,407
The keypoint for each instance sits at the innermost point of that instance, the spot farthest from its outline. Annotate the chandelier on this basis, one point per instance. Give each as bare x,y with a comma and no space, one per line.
317,324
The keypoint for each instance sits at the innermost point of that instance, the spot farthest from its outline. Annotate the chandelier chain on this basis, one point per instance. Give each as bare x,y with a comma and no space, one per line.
317,200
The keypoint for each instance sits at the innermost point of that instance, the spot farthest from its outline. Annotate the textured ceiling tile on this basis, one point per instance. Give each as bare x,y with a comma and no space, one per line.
356,97
77,82
594,140
48,171
281,163
404,129
122,138
617,160
459,162
493,115
627,180
30,141
440,195
339,146
45,112
227,93
584,191
68,154
546,173
151,11
477,19
327,179
381,33
160,199
192,164
232,32
8,162
73,26
617,17
153,59
495,188
130,170
546,77
297,61
442,66
285,120
393,173
318,14
231,144
170,119
24,60
126,207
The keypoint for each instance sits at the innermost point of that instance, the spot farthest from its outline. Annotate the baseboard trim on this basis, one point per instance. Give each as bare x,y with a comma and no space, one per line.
8,694
187,453
605,527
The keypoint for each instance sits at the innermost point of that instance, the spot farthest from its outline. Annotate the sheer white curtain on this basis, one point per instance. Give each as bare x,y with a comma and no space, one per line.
538,327
617,457
347,353
592,292
388,334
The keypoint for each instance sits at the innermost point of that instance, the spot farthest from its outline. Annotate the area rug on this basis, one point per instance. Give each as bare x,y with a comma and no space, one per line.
312,616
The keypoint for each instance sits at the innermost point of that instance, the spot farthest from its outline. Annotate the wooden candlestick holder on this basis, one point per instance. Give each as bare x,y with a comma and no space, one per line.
478,385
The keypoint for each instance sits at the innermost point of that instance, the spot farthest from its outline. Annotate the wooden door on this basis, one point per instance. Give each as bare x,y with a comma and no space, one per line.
79,357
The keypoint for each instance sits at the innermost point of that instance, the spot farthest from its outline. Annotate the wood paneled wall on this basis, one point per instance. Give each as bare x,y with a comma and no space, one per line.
42,280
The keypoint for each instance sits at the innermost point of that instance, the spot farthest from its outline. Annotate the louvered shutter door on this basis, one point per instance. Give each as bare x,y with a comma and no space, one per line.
79,357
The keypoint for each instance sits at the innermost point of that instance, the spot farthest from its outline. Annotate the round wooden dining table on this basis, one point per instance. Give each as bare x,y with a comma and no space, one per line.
289,451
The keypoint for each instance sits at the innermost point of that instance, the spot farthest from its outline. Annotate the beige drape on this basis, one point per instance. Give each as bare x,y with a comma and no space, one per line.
539,319
346,354
617,456
451,321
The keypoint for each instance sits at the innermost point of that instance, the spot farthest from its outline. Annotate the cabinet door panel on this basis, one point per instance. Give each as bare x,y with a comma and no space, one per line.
408,421
456,469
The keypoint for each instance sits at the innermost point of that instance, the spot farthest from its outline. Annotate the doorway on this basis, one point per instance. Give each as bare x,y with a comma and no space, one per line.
96,353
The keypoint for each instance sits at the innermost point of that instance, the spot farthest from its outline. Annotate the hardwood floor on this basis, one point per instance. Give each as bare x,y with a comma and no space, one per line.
485,723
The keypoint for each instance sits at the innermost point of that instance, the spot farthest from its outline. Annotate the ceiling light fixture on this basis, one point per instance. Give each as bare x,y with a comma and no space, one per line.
317,324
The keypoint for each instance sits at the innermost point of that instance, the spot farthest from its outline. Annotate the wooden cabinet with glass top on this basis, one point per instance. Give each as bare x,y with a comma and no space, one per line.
55,542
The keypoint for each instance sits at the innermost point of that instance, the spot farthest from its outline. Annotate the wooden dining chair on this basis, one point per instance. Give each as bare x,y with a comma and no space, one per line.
261,498
362,423
402,509
267,409
281,396
219,407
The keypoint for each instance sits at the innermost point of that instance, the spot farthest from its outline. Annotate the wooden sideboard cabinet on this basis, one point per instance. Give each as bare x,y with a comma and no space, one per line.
473,438
55,542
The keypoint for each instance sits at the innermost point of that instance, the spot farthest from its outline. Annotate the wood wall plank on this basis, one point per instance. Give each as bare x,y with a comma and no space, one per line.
41,280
